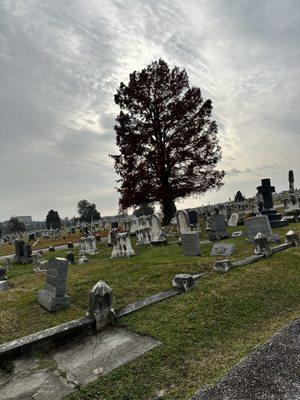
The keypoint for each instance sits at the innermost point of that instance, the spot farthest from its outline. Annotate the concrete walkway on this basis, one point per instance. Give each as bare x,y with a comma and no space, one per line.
68,367
270,372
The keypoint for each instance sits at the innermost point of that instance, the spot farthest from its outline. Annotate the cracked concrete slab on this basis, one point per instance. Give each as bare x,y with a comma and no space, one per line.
100,354
73,365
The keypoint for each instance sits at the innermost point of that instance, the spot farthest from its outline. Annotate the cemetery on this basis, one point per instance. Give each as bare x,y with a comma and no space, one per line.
176,296
150,200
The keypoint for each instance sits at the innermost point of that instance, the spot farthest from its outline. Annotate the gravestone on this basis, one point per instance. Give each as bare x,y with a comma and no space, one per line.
23,252
190,243
193,218
217,227
261,244
100,305
222,265
234,219
3,279
183,281
183,221
266,190
83,260
54,297
292,237
157,236
292,206
121,245
259,224
70,257
220,249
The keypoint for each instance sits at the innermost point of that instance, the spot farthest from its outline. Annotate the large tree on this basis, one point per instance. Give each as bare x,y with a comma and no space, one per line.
53,220
87,211
143,210
167,140
15,226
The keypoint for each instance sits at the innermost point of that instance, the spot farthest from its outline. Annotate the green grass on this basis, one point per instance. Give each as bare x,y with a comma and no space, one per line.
203,332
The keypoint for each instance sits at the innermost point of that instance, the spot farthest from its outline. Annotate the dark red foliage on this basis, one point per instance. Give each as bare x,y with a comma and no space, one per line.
167,140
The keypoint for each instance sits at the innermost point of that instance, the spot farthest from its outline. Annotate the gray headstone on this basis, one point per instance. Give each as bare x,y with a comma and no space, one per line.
261,244
190,243
220,249
292,237
258,224
183,281
54,297
234,219
222,265
100,306
217,226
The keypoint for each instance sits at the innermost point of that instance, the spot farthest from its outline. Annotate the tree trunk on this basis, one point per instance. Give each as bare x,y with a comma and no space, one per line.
169,210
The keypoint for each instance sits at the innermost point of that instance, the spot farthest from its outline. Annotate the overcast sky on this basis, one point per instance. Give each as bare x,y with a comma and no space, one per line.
61,62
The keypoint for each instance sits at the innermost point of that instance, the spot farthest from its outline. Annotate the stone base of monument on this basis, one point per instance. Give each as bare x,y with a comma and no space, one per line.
160,242
23,260
53,303
274,218
190,243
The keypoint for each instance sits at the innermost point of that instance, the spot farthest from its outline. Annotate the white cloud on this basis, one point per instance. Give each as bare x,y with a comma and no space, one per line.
62,62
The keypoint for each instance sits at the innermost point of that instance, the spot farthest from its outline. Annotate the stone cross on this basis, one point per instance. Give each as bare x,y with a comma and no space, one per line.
266,191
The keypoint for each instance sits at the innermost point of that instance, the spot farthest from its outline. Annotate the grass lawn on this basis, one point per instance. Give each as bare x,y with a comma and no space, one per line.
7,249
203,332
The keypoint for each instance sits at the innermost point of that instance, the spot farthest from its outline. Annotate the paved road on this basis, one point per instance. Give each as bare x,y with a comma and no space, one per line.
270,372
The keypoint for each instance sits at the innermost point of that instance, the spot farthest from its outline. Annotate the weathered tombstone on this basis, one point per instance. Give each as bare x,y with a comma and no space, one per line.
234,219
183,221
83,260
100,305
19,250
190,243
220,249
31,236
70,257
157,237
217,227
222,265
261,244
143,233
292,206
23,252
54,297
259,224
292,237
193,219
121,245
3,279
7,263
183,281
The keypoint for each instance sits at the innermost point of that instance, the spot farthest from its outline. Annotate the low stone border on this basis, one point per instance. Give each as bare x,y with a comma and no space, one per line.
58,335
